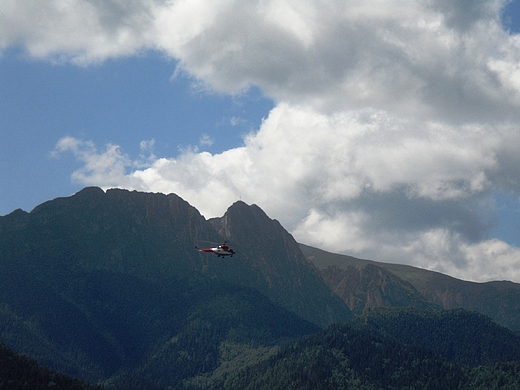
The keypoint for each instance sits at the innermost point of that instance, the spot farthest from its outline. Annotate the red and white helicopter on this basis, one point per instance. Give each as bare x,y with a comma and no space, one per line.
220,250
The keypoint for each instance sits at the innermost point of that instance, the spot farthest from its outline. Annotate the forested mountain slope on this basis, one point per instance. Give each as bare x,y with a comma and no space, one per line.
374,353
22,373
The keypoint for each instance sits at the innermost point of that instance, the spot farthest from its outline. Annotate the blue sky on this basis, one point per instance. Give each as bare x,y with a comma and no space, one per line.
366,128
122,101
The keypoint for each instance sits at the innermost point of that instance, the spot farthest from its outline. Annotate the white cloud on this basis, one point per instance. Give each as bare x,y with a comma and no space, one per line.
411,59
394,122
77,30
359,182
235,121
435,60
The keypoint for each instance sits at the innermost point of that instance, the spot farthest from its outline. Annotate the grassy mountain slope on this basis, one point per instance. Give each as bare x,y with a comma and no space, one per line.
416,287
230,316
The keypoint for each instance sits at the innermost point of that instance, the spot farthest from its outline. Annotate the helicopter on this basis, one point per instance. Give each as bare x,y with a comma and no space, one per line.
220,250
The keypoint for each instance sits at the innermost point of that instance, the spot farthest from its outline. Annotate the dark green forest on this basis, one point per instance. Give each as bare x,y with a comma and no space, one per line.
22,373
223,336
231,316
370,354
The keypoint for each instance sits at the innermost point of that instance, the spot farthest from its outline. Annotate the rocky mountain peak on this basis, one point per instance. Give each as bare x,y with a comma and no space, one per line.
272,262
240,218
152,236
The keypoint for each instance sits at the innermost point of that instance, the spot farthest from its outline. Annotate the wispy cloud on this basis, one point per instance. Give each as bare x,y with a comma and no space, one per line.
105,168
206,140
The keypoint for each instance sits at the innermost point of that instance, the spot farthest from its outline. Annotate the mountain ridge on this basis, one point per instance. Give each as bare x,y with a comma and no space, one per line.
97,281
108,287
500,300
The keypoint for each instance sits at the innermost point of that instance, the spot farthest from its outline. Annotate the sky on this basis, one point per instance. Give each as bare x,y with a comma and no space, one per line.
382,130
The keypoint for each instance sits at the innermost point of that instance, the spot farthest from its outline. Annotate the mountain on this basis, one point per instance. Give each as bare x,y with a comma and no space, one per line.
108,287
103,285
393,349
20,372
152,236
365,284
229,328
271,262
461,336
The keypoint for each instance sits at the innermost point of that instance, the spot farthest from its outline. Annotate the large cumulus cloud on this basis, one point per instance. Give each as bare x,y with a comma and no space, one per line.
395,123
359,182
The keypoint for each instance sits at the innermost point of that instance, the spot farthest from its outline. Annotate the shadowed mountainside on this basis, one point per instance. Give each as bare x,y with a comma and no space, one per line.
271,262
98,282
21,372
107,286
